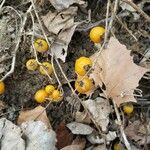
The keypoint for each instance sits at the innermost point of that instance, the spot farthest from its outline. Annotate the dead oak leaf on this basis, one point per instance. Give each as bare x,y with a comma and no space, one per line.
63,26
38,114
116,69
100,110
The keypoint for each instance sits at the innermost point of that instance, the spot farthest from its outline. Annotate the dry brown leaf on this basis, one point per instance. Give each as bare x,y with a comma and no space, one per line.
115,68
63,4
82,117
33,114
63,26
55,22
64,137
100,110
77,144
133,132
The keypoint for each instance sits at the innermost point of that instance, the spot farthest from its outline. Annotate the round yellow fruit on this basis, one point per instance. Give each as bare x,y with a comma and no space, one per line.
82,65
56,96
96,34
41,45
84,85
32,64
49,89
118,146
45,68
128,108
40,96
2,87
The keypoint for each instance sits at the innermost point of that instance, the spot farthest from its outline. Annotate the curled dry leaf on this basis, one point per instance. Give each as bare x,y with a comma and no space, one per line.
79,128
116,69
100,110
137,131
63,26
63,4
77,144
37,113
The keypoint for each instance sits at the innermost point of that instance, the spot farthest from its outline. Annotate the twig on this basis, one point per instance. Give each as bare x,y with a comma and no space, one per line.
137,9
119,20
106,22
1,5
17,45
127,144
40,23
35,53
113,15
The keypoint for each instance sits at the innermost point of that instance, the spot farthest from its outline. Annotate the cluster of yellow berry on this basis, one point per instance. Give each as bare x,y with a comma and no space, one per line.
45,68
83,84
49,93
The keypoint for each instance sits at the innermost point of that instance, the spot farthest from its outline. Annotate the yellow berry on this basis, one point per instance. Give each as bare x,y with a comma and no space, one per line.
31,64
56,96
128,108
117,146
40,96
41,45
49,89
83,85
45,68
2,87
82,65
96,34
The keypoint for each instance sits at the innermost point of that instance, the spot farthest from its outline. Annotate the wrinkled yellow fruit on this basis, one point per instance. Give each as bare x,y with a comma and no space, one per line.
84,85
41,45
45,68
96,34
49,89
40,96
56,96
118,146
128,108
82,65
32,64
2,87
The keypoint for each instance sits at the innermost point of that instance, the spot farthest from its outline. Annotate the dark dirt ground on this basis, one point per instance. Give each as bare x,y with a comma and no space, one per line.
22,84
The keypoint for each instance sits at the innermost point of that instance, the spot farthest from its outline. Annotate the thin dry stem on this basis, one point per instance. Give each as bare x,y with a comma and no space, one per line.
125,27
17,45
45,36
35,53
140,11
127,144
1,5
